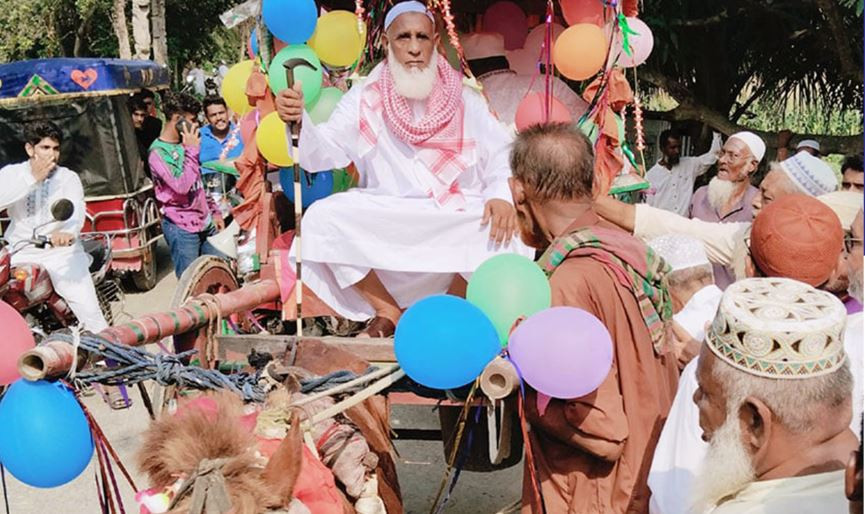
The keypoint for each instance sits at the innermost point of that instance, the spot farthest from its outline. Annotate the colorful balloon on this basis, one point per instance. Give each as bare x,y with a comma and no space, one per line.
532,111
320,186
272,140
45,440
509,20
325,104
507,287
444,342
641,44
234,87
292,21
252,46
336,39
309,78
586,11
17,339
580,51
563,352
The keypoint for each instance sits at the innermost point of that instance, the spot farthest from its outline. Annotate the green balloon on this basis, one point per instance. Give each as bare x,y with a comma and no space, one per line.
507,287
309,78
324,106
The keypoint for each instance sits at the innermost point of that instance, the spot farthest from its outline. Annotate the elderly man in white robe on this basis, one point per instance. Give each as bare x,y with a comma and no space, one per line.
433,201
29,190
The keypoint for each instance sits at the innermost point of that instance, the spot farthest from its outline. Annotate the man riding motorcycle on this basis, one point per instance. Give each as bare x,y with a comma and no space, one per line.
27,191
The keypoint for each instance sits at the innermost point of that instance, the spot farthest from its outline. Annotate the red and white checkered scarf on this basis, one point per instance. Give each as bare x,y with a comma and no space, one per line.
437,137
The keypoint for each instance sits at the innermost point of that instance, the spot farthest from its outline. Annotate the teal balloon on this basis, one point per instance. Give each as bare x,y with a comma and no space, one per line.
45,439
324,106
507,287
292,21
310,79
444,342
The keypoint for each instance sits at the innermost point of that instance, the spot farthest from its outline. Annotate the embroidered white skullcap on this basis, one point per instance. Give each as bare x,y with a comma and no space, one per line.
808,143
406,7
699,311
779,328
754,143
812,175
846,204
680,251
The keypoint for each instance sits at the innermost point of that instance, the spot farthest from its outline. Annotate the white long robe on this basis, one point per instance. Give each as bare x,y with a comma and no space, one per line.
389,224
67,266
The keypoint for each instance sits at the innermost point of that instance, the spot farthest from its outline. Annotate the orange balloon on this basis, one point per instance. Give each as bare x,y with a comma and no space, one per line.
580,51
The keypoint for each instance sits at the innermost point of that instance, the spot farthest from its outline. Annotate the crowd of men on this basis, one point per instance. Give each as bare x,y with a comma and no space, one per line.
735,310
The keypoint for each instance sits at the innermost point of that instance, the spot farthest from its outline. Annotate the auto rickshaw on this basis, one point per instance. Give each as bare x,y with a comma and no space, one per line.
87,99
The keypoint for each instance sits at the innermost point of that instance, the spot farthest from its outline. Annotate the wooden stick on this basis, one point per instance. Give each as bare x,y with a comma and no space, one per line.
348,385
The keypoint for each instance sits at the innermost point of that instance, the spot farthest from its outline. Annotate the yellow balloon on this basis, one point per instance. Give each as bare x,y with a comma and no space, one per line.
272,141
234,87
336,39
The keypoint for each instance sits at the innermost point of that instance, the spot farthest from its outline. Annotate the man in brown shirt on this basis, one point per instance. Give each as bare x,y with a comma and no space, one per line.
592,454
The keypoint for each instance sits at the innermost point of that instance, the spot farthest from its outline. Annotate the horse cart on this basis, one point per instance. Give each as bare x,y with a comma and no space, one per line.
87,99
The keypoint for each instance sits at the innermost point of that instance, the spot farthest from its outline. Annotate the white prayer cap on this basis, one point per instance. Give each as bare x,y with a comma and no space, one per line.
808,143
754,143
680,251
406,7
699,311
810,174
846,204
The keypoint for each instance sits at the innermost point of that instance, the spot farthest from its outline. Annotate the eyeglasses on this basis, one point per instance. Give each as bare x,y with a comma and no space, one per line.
850,242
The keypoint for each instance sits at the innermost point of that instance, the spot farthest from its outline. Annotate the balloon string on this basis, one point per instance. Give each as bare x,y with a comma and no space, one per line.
548,72
527,442
5,493
461,423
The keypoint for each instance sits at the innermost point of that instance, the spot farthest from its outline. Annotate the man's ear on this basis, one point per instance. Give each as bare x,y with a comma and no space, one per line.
31,151
757,424
754,164
518,192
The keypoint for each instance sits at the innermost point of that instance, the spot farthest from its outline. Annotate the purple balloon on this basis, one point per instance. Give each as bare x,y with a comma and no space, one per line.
563,352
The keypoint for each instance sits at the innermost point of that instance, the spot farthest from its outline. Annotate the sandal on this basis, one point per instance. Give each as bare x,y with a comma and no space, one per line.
379,326
117,398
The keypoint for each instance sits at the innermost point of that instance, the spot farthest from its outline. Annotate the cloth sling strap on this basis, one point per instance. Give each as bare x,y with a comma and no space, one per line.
635,265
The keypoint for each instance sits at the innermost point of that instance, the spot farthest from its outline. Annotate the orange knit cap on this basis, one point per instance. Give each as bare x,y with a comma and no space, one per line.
798,237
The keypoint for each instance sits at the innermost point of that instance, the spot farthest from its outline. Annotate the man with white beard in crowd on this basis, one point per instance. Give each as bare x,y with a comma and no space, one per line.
729,196
774,401
433,201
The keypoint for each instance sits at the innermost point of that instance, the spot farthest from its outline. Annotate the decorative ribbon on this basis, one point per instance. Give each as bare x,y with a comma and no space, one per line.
627,31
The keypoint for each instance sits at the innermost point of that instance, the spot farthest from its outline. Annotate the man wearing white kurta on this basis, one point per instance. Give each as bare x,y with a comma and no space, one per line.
29,190
433,202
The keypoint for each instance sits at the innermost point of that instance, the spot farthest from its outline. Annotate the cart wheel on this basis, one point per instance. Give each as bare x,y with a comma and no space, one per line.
145,278
206,274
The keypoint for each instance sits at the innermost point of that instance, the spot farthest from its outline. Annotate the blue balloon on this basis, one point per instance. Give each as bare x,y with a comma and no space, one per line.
253,43
292,21
45,440
322,186
444,342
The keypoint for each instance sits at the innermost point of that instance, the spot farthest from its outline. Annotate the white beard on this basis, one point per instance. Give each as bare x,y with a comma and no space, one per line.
720,192
413,83
855,288
727,467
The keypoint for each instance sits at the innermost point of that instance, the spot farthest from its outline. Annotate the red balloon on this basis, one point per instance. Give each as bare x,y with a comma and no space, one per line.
585,11
17,339
531,111
509,20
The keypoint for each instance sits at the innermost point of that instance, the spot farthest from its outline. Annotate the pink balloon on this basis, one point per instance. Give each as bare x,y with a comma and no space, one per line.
509,20
585,11
532,111
641,44
523,61
17,339
537,35
563,352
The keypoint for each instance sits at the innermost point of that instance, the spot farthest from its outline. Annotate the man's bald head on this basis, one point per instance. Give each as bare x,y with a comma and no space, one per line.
553,162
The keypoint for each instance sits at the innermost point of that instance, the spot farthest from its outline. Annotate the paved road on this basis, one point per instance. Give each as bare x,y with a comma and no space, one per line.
420,463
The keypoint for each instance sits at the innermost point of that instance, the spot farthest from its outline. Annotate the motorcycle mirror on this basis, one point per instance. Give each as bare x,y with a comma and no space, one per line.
62,209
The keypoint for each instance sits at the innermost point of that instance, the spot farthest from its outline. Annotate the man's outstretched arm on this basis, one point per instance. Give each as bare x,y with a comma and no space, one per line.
616,212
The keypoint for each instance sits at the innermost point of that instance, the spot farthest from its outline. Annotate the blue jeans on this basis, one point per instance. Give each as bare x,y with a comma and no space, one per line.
187,246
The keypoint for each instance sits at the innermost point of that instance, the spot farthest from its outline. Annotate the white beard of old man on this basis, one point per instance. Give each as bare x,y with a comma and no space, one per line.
775,401
433,201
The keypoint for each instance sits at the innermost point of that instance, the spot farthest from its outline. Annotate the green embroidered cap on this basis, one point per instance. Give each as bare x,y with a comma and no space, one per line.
779,328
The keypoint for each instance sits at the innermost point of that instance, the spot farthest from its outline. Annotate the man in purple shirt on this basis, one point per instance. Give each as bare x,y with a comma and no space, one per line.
729,195
188,216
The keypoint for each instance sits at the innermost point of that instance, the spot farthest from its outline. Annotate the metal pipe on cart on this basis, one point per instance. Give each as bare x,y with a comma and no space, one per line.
294,130
53,358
